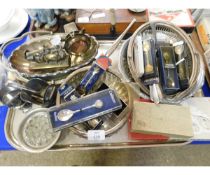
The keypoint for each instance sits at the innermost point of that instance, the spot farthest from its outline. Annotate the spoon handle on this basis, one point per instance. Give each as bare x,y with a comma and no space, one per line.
90,79
181,69
85,108
148,66
88,107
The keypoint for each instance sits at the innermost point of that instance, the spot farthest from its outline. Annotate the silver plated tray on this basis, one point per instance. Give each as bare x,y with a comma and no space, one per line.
71,141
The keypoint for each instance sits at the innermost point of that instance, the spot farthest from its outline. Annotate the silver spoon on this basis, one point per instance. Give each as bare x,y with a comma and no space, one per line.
170,81
66,114
148,67
179,50
95,71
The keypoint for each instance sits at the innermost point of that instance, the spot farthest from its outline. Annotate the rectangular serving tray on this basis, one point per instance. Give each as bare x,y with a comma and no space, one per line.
70,141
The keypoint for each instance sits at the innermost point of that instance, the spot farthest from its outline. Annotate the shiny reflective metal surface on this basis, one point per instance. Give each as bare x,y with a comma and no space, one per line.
80,46
113,121
58,70
167,33
123,65
125,71
12,98
70,141
35,133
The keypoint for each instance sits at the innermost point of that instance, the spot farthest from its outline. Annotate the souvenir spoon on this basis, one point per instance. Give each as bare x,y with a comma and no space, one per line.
170,81
66,114
149,67
179,50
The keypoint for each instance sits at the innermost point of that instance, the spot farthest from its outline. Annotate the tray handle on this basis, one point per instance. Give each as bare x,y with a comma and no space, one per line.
4,45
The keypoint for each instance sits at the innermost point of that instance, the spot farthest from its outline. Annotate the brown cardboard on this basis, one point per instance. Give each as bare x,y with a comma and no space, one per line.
170,120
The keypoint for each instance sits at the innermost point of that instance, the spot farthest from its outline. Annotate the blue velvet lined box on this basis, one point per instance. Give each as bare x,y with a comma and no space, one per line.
150,58
91,77
164,69
110,103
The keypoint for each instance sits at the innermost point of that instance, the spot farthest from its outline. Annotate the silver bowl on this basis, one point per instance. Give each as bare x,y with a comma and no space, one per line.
111,122
18,63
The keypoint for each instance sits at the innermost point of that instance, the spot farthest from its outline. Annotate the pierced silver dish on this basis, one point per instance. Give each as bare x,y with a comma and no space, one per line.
167,33
35,133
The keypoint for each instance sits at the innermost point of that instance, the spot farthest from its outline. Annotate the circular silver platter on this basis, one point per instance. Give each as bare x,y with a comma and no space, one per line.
111,122
167,33
35,133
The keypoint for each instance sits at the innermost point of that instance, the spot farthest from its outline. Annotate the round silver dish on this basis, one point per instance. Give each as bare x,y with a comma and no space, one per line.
35,133
112,122
169,33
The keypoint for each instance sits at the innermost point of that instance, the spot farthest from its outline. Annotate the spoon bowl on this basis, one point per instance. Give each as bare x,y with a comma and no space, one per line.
179,49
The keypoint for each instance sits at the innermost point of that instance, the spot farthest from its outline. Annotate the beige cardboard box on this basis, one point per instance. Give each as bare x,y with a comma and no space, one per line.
170,120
